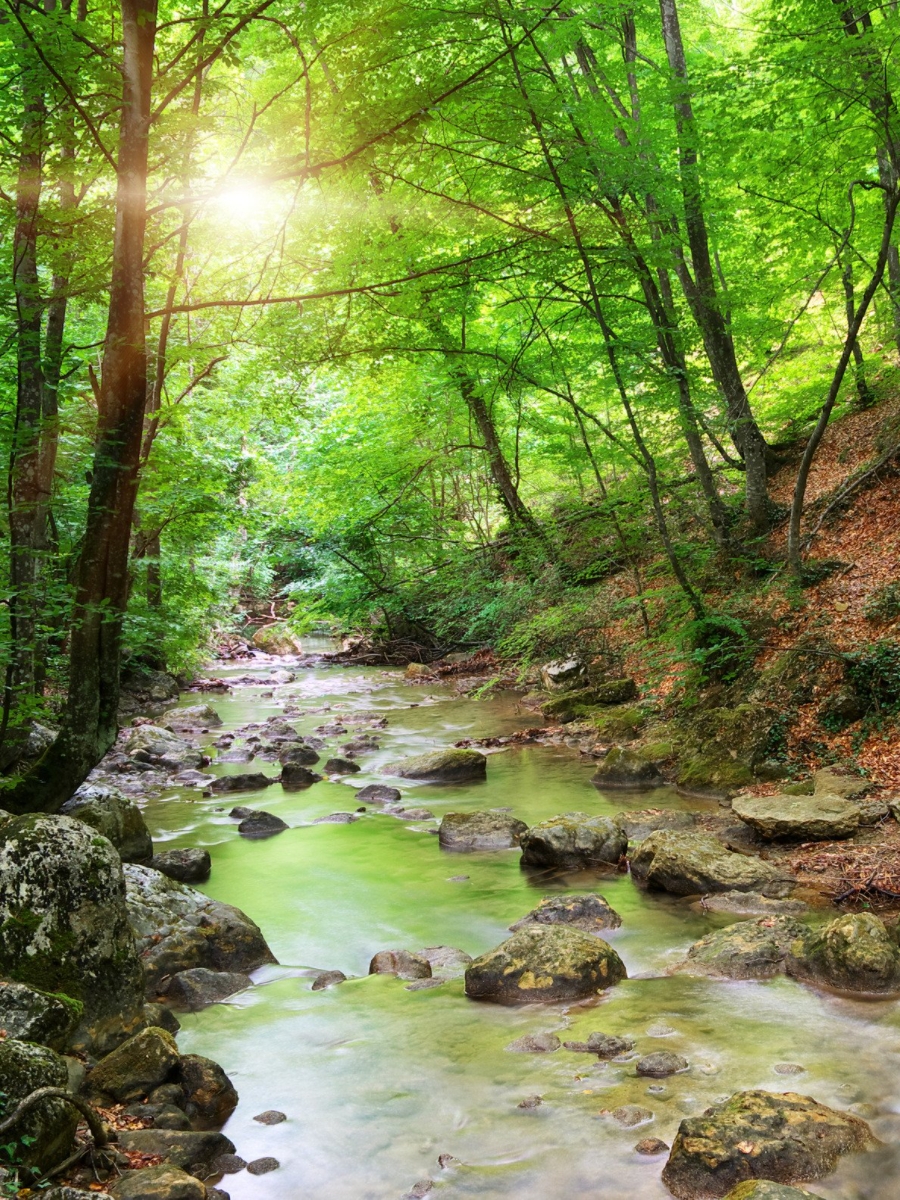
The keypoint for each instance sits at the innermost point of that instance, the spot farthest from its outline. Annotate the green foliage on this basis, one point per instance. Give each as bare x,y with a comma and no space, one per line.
883,604
874,673
719,645
11,1152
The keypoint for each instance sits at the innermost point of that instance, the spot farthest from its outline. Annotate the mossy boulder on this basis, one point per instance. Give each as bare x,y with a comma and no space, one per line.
720,748
856,952
135,1068
115,816
798,818
579,910
158,1183
192,716
572,841
25,1067
163,749
276,639
209,1095
624,768
187,1149
31,1015
621,723
570,706
65,924
688,864
784,1138
616,691
480,831
745,950
177,928
442,766
544,963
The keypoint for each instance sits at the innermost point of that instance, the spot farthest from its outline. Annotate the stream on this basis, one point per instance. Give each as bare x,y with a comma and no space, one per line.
378,1081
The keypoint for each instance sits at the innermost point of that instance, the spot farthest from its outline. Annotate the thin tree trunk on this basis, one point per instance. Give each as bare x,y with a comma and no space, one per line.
862,387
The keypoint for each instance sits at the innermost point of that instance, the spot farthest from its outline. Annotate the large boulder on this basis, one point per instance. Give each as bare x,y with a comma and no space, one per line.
569,706
543,963
688,864
855,952
178,928
745,950
25,1067
579,910
563,674
192,865
116,817
209,1095
442,766
163,749
276,639
183,1148
624,768
480,831
192,716
65,924
616,691
640,823
31,1015
199,987
135,1068
573,840
798,818
158,1183
786,1138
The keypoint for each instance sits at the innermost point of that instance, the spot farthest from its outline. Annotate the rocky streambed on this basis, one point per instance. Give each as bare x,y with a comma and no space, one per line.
472,995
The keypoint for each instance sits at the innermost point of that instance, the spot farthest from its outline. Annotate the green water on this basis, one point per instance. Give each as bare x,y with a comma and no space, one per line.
378,1081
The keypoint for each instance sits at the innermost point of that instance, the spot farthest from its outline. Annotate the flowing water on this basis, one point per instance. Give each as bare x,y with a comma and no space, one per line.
378,1081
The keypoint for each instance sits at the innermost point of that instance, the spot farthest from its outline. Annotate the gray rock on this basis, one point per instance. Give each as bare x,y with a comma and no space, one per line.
745,950
337,818
115,817
378,794
401,963
136,1067
642,822
262,1166
25,1067
35,1016
624,768
270,1117
752,904
688,864
241,783
181,1148
582,910
480,831
446,961
293,775
661,1064
563,674
158,1183
855,952
340,766
327,979
544,963
198,987
228,1164
162,1017
261,825
187,866
535,1043
178,928
442,766
798,818
572,841
192,716
163,749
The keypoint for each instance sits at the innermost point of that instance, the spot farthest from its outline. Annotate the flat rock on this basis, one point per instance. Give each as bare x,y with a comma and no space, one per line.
402,963
764,1189
798,818
581,910
198,987
784,1138
271,1116
341,766
752,904
856,952
262,1166
158,1183
661,1064
624,768
181,1148
746,950
573,841
442,766
261,825
544,963
535,1043
192,716
377,794
480,831
640,823
687,864
337,818
193,865
241,783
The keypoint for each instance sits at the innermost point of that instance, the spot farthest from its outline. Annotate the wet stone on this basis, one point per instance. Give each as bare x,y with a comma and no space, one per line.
606,1046
530,1102
631,1115
651,1146
261,825
588,912
227,1164
337,818
341,766
377,794
401,963
262,1166
788,1069
535,1043
660,1064
326,979
270,1117
187,866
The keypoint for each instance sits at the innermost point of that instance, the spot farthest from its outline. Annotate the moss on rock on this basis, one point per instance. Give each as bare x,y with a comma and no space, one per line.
544,963
25,1067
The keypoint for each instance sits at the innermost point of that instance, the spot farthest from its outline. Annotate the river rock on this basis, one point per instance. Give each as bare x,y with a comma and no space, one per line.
535,1043
651,1146
209,1095
262,1166
543,963
798,818
31,1015
442,766
327,979
764,1189
446,962
25,1067
136,1067
401,963
751,904
572,841
661,1064
562,674
616,691
341,766
261,825
569,706
631,1115
745,950
241,783
187,866
480,831
113,815
182,1148
624,768
295,776
299,755
192,716
785,1138
377,794
178,928
199,987
163,749
161,1016
640,823
580,910
855,952
72,1193
687,864
65,924
158,1183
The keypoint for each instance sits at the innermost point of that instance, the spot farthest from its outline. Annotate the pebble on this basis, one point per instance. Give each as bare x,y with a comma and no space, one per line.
788,1069
651,1146
262,1166
270,1117
227,1164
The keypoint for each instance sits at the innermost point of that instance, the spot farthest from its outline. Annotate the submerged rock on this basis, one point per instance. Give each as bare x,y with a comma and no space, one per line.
199,987
115,817
31,1015
785,1138
604,1045
855,952
178,928
745,950
535,1043
580,910
661,1064
480,831
572,841
544,963
687,864
298,755
402,963
187,866
442,766
24,1068
631,1115
624,768
798,818
65,926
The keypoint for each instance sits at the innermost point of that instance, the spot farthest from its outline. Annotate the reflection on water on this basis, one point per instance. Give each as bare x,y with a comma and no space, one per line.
377,1081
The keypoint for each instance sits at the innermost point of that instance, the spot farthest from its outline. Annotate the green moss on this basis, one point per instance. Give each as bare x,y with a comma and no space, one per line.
621,723
709,771
570,706
656,752
805,787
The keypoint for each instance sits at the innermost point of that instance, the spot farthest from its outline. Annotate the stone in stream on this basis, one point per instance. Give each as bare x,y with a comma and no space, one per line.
299,755
815,818
661,1064
580,910
270,1117
241,783
341,766
786,1138
65,925
650,1146
228,1164
446,962
442,766
573,841
236,756
325,979
745,950
337,818
631,1115
161,748
193,716
856,952
178,928
604,1045
209,1095
535,1043
377,794
688,864
136,1067
30,1015
293,775
192,779
750,904
480,831
624,768
115,817
765,1189
24,1068
544,963
193,865
262,1166
188,1150
640,823
412,814
158,1183
401,963
198,987
261,825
